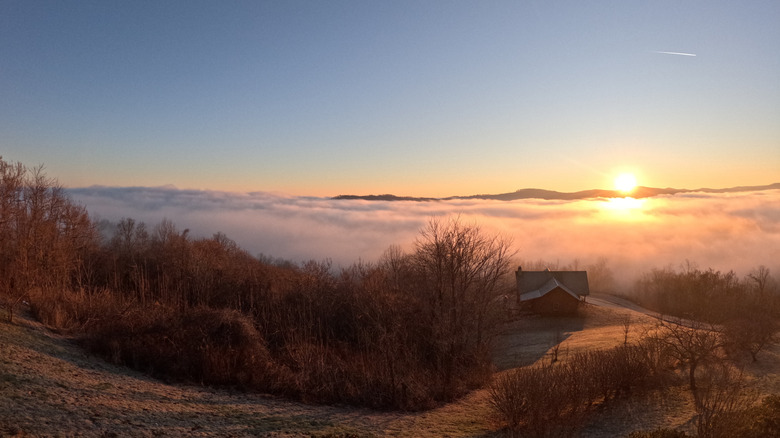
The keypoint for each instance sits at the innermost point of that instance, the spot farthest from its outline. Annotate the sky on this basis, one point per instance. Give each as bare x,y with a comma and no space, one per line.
416,98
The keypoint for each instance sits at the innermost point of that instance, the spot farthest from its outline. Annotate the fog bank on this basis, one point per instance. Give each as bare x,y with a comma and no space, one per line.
736,231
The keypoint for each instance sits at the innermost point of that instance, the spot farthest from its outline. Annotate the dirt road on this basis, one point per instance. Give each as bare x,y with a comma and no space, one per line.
613,302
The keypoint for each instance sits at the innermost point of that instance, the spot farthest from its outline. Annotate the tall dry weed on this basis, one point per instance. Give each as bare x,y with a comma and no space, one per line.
74,311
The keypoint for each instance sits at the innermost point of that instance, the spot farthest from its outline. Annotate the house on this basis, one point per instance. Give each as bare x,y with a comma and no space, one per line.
551,292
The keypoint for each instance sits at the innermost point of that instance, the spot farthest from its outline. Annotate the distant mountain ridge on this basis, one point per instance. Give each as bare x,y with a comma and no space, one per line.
638,193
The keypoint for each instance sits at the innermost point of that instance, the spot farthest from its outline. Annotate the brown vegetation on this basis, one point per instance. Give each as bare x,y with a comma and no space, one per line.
49,386
407,332
707,295
44,238
555,400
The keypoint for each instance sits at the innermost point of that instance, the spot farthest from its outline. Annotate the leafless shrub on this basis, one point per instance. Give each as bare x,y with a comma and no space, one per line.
544,401
658,361
756,421
554,400
620,371
722,402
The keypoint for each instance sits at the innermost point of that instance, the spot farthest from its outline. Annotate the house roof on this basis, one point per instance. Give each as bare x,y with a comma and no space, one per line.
551,285
534,284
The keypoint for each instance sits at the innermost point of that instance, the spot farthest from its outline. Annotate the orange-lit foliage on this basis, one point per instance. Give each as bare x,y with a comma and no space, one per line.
44,237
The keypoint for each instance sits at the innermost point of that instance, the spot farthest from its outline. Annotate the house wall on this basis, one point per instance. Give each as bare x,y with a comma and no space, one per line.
555,302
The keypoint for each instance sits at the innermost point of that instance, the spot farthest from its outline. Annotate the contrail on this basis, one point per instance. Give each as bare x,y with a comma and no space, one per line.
674,53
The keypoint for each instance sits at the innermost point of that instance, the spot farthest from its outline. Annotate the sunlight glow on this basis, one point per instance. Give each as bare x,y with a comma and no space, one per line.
624,209
625,182
623,204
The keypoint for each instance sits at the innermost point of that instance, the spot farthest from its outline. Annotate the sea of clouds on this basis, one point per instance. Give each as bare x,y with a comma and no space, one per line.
734,231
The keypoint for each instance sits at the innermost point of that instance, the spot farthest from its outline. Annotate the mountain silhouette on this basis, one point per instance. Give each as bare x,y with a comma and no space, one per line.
638,193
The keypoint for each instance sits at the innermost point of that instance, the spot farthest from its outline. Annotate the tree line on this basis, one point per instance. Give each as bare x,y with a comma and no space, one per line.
45,239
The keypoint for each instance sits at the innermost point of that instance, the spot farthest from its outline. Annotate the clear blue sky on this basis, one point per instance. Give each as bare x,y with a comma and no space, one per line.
429,98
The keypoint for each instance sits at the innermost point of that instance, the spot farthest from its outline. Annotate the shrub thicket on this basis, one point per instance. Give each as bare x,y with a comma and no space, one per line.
199,345
544,401
554,400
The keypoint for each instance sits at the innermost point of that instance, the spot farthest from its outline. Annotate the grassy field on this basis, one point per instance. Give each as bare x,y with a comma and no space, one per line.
50,387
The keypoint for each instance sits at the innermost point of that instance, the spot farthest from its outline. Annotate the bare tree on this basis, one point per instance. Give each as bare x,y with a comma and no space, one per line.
760,278
460,271
173,251
751,334
692,343
626,328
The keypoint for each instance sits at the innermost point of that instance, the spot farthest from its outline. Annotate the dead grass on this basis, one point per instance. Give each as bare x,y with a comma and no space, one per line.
50,387
529,339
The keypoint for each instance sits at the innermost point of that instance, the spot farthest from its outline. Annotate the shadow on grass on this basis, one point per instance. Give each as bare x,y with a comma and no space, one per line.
529,337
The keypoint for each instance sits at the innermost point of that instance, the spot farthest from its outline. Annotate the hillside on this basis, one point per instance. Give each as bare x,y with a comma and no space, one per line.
49,386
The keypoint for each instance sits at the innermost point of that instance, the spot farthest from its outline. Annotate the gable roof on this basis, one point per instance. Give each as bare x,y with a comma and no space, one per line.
534,284
551,285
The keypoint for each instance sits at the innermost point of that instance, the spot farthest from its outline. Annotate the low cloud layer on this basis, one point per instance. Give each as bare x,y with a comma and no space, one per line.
736,231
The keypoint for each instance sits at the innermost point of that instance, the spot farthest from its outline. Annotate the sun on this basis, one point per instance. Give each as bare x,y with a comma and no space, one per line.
625,182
